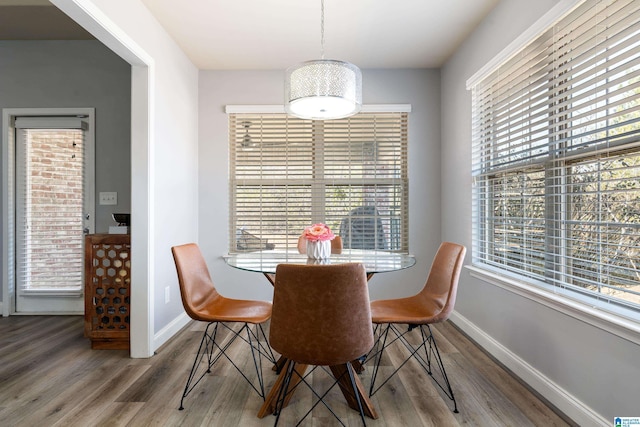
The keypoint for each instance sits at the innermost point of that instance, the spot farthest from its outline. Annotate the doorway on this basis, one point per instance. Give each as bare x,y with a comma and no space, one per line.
104,26
53,198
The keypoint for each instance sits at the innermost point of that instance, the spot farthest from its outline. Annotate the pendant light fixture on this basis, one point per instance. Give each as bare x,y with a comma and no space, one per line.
323,89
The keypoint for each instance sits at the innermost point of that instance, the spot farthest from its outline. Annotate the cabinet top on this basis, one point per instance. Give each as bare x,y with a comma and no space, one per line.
108,238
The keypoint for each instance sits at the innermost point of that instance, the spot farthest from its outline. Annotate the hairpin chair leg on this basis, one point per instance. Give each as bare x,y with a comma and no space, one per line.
425,362
208,344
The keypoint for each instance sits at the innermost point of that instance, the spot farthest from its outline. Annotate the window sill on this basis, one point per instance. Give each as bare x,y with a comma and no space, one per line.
577,306
63,293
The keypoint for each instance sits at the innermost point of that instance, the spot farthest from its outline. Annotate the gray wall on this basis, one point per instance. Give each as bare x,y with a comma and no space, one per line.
420,88
595,367
38,74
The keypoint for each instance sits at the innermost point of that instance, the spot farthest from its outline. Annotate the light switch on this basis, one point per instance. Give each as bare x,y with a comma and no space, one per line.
108,198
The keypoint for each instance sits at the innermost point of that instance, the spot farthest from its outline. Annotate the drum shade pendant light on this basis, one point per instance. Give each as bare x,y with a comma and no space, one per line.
323,89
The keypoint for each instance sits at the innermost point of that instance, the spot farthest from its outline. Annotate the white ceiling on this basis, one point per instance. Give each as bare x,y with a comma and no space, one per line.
275,34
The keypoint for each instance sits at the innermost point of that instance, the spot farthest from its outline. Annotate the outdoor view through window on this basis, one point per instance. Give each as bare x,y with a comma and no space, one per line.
288,173
557,158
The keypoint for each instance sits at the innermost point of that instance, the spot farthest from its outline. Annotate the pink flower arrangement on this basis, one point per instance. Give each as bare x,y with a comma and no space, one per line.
318,232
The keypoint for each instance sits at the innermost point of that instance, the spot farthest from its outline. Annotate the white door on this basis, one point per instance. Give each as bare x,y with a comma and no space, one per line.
54,197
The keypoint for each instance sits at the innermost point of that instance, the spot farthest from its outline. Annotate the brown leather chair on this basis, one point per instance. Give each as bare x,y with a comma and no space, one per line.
202,302
321,317
431,305
336,245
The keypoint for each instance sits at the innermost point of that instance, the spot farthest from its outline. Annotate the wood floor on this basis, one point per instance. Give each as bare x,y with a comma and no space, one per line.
50,377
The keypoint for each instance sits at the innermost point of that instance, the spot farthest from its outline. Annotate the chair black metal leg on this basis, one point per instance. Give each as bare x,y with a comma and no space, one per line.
318,396
267,352
257,361
254,350
209,345
449,391
386,343
378,358
208,350
430,351
355,392
284,388
257,351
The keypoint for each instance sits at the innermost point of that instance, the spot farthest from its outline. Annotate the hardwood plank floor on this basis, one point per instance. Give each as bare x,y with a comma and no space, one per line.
49,376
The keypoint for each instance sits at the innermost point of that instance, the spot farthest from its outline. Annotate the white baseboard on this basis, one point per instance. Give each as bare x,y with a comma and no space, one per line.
557,396
170,330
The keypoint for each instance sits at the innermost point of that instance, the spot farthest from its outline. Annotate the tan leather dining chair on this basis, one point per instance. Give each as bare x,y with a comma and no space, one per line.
202,302
433,304
321,316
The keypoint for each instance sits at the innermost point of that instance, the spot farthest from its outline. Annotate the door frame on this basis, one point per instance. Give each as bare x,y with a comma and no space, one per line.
9,200
94,20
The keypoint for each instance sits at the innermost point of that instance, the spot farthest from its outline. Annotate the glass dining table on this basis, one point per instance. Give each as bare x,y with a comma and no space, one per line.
266,262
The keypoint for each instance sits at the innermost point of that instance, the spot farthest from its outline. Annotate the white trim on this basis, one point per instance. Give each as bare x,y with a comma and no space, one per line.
49,313
386,108
50,122
6,247
567,403
609,322
541,25
169,331
142,202
28,116
266,109
52,293
90,17
254,109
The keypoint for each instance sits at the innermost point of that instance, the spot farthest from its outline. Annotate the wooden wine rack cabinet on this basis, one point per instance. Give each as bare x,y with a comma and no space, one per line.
107,309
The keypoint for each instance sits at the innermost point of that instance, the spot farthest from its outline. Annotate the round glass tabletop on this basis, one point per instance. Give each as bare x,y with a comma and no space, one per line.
267,261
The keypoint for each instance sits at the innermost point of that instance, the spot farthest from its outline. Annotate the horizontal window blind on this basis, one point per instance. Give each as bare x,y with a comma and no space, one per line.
49,226
287,173
556,156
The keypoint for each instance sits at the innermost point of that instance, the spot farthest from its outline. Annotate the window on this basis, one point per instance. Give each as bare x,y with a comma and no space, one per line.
556,158
287,173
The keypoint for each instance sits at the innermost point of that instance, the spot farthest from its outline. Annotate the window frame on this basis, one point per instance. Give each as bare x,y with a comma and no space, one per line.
318,184
614,317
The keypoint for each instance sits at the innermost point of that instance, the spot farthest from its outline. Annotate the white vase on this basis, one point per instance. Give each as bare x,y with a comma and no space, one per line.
319,249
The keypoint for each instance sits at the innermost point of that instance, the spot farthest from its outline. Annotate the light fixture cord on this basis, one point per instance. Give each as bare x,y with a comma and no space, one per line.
322,29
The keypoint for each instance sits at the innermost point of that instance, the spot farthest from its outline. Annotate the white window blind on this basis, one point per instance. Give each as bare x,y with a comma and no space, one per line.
556,157
49,226
287,173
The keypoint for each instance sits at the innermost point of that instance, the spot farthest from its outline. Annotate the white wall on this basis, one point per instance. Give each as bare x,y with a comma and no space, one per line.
579,367
164,156
420,88
174,149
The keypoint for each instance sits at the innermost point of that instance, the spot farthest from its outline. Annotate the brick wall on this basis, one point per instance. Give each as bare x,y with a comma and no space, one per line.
55,208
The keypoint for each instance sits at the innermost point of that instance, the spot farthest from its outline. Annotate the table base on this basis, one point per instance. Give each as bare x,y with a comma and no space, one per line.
338,371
